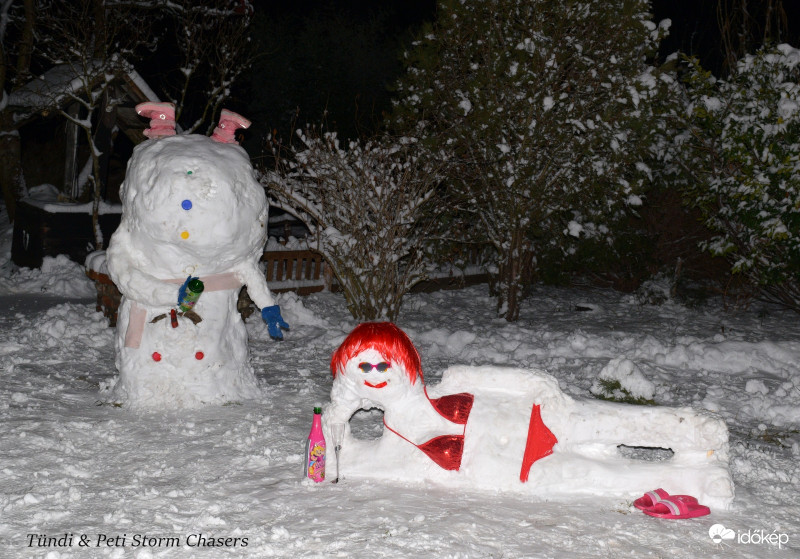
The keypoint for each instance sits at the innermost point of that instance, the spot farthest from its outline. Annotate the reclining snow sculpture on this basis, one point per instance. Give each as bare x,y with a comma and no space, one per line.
513,429
191,208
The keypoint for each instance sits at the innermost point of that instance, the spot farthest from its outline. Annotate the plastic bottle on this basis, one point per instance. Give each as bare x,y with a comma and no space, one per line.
194,288
315,449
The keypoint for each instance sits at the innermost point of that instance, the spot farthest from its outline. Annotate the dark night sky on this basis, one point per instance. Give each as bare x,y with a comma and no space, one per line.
694,28
694,31
694,22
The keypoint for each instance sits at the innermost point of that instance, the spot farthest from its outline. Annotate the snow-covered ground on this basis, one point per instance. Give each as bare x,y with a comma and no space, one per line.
80,470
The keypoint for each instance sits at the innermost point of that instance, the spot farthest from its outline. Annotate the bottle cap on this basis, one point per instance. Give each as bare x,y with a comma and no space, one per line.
317,410
196,285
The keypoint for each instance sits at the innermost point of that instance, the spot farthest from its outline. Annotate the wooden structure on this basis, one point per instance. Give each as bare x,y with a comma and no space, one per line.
301,271
108,296
63,225
42,230
52,95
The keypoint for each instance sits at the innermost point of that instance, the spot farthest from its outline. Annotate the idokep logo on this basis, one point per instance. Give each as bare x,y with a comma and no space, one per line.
719,533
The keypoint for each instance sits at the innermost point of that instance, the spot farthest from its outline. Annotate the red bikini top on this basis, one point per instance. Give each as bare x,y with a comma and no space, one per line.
454,407
446,450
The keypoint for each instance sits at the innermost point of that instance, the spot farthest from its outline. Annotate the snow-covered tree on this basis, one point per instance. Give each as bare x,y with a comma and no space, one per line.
214,48
741,153
368,208
86,45
544,106
81,47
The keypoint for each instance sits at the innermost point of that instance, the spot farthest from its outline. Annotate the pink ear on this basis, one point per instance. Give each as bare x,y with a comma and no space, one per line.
229,123
162,118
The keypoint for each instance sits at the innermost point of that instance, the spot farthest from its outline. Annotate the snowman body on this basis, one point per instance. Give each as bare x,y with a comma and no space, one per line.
191,207
506,428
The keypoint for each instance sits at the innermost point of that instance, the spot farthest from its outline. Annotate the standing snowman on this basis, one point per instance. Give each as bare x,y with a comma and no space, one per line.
191,209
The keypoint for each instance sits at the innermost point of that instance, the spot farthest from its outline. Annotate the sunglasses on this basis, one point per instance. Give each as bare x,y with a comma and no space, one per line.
380,367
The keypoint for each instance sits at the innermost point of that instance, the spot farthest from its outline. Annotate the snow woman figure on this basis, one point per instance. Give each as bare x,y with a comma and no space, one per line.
512,429
192,209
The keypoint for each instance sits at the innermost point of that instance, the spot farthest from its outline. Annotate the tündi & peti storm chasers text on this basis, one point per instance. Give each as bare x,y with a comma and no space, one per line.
133,540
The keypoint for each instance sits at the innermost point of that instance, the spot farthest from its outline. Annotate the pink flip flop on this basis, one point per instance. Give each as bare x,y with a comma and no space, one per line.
651,498
676,509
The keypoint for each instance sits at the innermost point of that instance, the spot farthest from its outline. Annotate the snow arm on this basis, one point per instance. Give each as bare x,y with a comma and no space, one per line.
126,269
344,403
252,276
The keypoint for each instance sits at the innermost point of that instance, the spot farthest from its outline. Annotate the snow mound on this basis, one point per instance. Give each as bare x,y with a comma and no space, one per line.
59,276
448,343
656,291
778,405
294,311
630,379
68,325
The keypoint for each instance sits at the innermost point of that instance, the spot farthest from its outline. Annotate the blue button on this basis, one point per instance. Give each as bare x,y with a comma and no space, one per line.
186,204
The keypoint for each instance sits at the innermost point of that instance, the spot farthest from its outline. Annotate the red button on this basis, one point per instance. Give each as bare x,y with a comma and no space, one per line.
156,356
199,355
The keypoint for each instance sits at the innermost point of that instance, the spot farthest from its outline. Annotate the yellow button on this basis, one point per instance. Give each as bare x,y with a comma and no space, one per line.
185,235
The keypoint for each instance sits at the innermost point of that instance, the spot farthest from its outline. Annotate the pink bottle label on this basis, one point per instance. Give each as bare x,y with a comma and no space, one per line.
315,464
315,449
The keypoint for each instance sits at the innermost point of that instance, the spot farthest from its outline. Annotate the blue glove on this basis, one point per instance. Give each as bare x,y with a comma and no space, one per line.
272,316
182,290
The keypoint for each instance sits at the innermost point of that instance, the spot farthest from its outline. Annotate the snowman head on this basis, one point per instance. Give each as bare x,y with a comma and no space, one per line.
378,361
194,200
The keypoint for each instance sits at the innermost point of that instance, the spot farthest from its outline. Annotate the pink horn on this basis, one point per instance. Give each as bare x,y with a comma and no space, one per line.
229,123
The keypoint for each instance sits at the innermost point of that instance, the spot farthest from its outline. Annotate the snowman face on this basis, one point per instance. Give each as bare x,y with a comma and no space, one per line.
195,201
376,378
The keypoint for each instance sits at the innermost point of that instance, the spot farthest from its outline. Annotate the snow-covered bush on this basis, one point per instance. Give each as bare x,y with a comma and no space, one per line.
545,107
368,208
621,380
741,152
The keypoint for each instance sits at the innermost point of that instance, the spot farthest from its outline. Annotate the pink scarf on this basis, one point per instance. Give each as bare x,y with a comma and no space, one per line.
138,315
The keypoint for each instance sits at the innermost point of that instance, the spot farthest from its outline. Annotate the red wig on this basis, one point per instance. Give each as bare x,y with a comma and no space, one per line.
385,338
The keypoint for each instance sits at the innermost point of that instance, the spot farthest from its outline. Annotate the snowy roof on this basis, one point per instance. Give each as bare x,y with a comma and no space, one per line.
59,84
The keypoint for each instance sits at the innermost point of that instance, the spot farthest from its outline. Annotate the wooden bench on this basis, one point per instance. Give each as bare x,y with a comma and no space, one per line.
303,271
